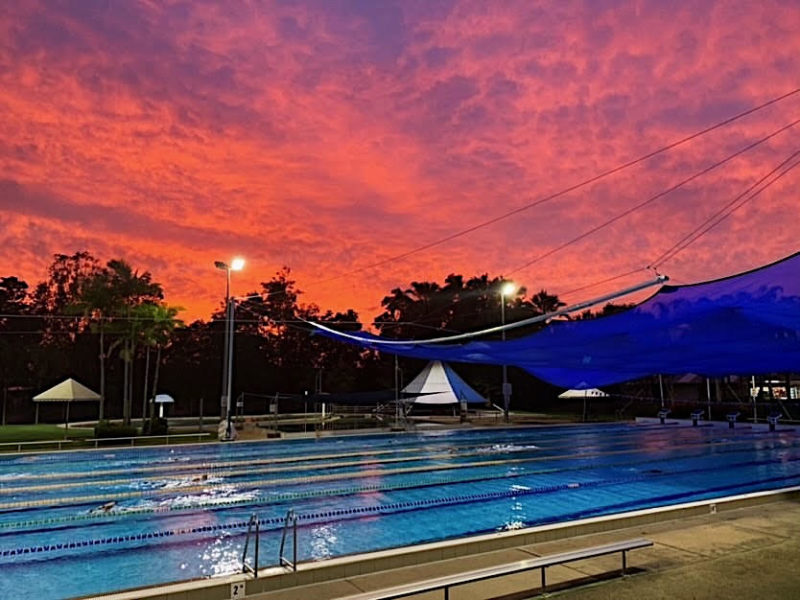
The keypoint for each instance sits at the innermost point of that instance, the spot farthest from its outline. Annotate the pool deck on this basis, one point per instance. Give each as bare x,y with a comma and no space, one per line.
751,552
744,547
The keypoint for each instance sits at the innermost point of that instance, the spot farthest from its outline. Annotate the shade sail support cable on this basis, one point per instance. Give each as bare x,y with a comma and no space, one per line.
753,191
653,198
660,279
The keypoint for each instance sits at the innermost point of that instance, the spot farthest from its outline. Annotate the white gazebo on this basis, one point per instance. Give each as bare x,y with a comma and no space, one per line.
585,394
590,393
66,391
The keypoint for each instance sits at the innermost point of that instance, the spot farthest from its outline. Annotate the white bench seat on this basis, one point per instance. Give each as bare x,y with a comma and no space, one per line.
542,562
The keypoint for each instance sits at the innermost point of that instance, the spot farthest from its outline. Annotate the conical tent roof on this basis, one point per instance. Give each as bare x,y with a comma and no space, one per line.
67,391
439,384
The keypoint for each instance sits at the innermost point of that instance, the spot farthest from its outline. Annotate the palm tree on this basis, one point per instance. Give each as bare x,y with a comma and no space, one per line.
111,299
136,291
157,332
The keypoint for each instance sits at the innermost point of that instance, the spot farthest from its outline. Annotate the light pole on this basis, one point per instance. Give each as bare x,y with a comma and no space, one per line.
506,289
237,264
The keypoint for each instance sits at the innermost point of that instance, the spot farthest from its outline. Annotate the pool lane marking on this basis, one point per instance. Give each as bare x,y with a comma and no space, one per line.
213,467
321,478
47,524
296,468
234,473
375,510
178,467
441,456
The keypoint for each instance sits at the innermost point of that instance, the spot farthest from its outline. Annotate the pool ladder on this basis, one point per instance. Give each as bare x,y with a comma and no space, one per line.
290,521
253,523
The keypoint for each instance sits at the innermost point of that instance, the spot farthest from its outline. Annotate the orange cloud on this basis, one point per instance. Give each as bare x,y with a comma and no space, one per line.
334,136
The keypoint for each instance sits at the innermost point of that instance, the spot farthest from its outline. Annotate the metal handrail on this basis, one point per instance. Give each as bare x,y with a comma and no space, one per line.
133,439
245,567
19,445
290,521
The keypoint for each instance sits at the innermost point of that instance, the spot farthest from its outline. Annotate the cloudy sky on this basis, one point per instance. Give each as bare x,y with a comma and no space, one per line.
340,138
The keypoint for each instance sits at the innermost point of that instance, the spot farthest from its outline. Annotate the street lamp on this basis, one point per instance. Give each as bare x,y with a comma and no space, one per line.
237,264
507,289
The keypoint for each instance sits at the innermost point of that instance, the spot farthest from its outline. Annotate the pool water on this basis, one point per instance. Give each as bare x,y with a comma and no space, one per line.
84,523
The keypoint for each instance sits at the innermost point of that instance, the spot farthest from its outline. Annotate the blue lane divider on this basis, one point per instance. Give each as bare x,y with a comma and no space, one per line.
290,497
277,522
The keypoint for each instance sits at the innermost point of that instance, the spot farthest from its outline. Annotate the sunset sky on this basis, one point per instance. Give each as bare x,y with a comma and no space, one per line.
330,136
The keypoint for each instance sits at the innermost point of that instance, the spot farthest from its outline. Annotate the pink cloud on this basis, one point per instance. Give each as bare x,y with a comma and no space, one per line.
332,136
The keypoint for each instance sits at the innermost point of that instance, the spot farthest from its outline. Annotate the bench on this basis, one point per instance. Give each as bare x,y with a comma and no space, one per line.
732,416
445,583
662,414
697,416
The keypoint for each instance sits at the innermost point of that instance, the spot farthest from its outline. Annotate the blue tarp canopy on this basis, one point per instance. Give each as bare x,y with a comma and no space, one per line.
746,324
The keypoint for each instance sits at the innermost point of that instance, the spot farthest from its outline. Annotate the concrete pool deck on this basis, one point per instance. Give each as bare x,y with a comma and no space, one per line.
745,552
743,546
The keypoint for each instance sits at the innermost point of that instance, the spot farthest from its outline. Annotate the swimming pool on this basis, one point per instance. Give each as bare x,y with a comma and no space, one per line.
181,513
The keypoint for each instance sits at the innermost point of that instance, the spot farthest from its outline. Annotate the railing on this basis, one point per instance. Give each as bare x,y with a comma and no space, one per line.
290,521
199,435
254,522
19,445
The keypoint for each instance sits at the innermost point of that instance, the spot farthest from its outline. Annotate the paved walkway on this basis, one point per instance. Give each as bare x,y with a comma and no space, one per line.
745,553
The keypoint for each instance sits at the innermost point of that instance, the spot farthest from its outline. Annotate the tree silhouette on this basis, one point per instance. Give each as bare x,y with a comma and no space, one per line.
120,301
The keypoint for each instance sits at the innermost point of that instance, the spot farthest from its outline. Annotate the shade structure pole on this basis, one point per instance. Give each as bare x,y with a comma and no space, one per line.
708,395
661,389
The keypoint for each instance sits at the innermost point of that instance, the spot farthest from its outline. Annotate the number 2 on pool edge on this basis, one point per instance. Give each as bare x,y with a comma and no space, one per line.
237,590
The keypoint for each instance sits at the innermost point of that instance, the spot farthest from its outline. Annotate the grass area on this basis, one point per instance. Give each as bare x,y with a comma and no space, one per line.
34,433
43,433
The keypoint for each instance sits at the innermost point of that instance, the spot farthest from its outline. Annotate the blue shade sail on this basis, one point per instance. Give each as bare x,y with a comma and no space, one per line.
746,324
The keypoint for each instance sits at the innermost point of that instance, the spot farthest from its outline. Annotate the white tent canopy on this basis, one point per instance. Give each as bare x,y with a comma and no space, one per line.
585,394
439,384
590,393
66,391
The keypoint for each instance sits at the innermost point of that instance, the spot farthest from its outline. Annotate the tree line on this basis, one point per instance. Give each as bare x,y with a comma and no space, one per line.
109,326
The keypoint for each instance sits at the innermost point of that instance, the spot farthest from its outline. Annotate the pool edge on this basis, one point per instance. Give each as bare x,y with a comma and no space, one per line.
275,578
